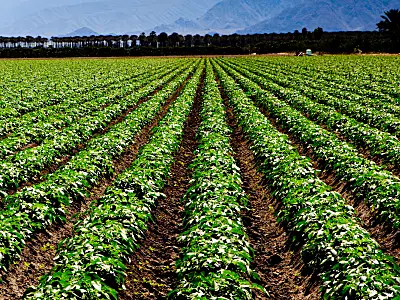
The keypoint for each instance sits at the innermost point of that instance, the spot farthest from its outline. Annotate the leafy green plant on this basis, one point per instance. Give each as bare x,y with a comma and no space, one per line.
350,262
36,207
370,182
90,265
216,255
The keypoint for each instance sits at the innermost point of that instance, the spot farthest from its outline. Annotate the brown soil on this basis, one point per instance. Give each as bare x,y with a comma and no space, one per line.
279,266
65,159
364,152
388,239
102,107
152,273
38,254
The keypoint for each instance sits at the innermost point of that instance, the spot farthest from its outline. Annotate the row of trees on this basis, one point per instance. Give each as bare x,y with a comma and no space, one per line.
386,39
154,40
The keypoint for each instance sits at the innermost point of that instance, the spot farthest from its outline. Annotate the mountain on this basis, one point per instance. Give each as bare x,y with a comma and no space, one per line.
235,14
84,31
228,16
58,17
334,15
182,26
266,16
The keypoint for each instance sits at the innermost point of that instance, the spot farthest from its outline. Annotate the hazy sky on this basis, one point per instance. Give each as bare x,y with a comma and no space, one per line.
58,17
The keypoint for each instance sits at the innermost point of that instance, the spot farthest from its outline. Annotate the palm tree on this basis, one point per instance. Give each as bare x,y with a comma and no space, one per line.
163,39
143,39
125,39
188,40
216,39
29,40
198,40
175,39
390,22
391,25
152,39
207,40
133,38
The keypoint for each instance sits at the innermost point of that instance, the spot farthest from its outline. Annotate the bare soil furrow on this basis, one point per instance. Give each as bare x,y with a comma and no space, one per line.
38,254
276,261
388,239
65,159
152,273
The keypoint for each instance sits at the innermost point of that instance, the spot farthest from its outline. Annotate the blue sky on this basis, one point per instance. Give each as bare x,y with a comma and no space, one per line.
59,17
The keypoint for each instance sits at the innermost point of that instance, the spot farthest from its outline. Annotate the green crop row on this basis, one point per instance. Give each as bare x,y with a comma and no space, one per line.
90,265
375,118
37,125
376,74
370,182
380,144
36,207
26,87
349,261
26,164
216,255
340,87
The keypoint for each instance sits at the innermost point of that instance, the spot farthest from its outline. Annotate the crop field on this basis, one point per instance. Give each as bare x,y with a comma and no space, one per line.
200,178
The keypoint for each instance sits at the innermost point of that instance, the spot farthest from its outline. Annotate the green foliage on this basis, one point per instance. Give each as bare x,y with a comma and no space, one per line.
216,256
390,22
378,187
27,164
36,207
90,265
351,262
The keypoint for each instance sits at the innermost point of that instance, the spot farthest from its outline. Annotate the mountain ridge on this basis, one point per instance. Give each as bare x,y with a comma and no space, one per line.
119,16
62,17
338,15
84,31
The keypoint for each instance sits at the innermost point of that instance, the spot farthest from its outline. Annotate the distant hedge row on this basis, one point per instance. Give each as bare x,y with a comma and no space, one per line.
338,42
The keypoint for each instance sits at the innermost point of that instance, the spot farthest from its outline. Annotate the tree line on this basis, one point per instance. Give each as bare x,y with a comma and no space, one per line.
386,39
153,40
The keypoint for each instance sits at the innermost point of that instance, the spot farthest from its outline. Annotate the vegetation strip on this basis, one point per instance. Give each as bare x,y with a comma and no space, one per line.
54,112
342,88
366,114
51,124
364,74
31,265
27,164
36,207
21,99
216,257
378,187
350,261
151,273
383,146
278,264
91,264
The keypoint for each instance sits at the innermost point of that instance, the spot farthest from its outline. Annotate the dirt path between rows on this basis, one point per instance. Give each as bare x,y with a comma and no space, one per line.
388,239
279,267
38,254
152,273
66,158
